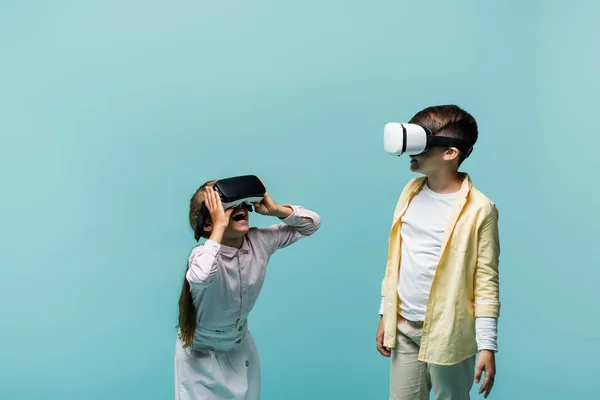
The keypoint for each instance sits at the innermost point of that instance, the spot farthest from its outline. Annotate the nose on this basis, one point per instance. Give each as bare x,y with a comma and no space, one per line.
243,206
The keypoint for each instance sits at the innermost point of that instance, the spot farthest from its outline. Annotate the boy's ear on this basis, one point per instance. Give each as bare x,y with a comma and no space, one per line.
451,153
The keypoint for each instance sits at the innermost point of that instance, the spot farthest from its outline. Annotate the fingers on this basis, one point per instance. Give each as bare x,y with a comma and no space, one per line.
487,385
483,386
260,207
384,351
489,389
478,372
218,200
486,388
213,200
208,198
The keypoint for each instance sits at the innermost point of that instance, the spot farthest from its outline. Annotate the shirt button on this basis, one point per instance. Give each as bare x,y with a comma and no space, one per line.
238,341
240,328
247,363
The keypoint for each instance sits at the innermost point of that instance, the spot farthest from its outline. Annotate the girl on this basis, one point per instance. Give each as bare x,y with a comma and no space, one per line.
215,356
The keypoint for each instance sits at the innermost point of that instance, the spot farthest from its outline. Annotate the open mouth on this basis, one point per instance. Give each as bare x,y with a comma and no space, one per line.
239,216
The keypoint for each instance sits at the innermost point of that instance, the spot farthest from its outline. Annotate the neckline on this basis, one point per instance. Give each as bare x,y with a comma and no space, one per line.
431,193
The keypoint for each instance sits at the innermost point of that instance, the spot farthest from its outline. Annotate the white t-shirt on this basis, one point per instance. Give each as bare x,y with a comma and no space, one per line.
423,227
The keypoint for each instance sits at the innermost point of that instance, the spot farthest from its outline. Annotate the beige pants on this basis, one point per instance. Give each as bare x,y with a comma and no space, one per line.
411,379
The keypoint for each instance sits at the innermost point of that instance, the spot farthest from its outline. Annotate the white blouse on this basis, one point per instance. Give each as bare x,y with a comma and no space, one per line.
225,281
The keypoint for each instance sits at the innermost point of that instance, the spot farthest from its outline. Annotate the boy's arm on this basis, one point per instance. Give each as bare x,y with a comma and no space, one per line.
383,290
486,333
399,205
487,294
487,299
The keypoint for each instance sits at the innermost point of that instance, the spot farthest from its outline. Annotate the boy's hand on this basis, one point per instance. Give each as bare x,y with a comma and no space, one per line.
267,206
379,340
487,363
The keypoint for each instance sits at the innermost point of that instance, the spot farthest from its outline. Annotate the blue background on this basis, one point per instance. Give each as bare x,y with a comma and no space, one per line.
113,112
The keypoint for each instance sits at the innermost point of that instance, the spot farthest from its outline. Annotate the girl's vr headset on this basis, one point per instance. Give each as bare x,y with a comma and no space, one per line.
413,139
247,189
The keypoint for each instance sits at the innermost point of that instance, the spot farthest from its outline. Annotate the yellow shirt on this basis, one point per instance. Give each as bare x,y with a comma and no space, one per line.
465,285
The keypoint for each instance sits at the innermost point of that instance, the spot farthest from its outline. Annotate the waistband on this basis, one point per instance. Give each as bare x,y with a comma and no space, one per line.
414,324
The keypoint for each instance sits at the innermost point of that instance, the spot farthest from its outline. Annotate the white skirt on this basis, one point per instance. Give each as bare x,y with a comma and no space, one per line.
212,375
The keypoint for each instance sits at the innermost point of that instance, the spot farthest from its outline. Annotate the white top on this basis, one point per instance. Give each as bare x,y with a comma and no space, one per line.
225,281
423,227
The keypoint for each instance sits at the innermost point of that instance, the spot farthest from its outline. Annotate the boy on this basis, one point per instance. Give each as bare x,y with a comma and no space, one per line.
441,289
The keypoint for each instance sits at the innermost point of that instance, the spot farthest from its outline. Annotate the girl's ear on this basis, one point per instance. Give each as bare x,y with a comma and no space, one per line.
207,225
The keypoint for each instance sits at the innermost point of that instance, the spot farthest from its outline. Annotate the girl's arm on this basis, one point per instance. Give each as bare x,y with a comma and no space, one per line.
298,222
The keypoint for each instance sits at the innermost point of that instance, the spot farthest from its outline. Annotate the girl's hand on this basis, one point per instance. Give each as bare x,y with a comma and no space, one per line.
219,217
267,206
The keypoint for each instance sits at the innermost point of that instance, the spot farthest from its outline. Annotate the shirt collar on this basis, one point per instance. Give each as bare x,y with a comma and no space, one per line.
230,252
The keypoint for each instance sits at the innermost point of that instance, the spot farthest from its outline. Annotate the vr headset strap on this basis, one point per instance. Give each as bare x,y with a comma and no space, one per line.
443,141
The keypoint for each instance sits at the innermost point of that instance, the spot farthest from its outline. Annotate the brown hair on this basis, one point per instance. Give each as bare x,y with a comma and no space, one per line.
187,312
450,121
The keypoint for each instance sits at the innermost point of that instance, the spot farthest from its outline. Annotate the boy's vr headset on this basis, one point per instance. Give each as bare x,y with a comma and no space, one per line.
413,139
247,189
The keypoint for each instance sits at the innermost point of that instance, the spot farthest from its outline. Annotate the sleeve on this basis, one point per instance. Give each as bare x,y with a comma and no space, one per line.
487,296
203,263
383,288
299,224
486,333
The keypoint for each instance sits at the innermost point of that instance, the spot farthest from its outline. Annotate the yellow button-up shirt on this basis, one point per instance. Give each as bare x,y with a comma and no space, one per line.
465,285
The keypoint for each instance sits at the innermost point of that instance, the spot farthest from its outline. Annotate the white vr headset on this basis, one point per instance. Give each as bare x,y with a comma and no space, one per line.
413,139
